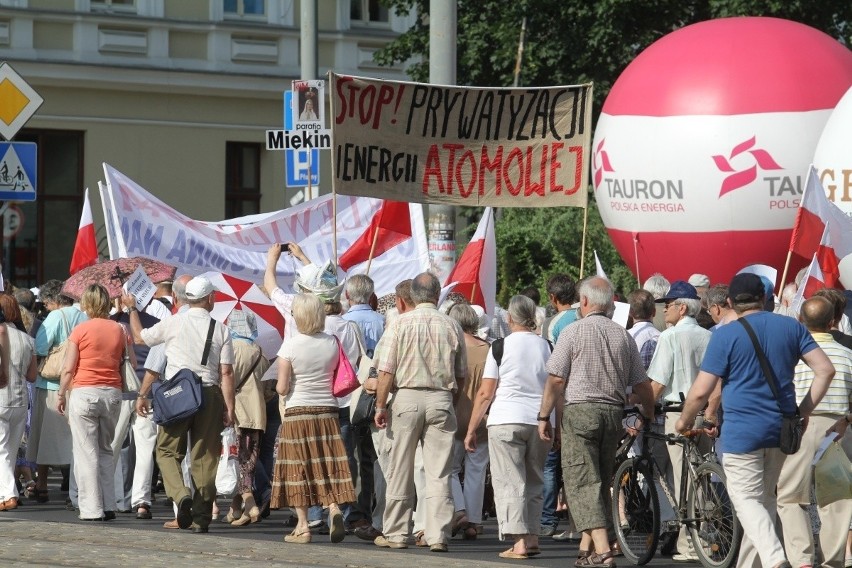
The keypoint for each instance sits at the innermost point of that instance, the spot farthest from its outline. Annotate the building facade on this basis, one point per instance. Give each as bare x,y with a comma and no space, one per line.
176,94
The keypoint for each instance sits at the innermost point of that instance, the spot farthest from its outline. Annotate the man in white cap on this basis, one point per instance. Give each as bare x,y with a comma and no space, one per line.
700,281
184,336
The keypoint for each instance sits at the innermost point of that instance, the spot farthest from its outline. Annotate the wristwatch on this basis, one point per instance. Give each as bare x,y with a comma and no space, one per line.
543,418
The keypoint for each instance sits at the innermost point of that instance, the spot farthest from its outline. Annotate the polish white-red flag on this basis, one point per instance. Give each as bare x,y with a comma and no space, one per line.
829,263
86,246
390,226
816,213
475,273
812,281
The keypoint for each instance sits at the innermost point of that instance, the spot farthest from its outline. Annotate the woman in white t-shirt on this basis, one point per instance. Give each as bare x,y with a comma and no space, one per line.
513,388
311,466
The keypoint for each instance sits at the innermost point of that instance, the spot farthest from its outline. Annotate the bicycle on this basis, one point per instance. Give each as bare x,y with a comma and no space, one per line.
703,505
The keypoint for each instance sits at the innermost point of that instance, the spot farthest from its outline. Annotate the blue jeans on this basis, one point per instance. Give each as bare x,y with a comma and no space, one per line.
552,486
265,460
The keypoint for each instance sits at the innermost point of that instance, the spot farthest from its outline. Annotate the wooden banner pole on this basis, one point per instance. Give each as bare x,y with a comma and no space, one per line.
583,245
784,274
372,250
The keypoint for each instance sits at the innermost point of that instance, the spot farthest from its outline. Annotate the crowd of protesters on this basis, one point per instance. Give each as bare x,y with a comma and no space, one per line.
533,393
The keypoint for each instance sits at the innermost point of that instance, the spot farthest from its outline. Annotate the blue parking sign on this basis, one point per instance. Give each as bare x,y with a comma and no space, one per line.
298,163
18,171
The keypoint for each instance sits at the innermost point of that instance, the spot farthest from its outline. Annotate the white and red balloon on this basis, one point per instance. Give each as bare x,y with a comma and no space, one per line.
702,148
833,163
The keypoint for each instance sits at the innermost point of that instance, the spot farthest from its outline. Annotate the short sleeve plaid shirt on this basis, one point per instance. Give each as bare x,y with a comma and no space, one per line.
424,349
598,360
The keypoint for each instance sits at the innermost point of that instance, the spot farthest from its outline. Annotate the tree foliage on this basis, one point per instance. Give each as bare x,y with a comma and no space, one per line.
570,42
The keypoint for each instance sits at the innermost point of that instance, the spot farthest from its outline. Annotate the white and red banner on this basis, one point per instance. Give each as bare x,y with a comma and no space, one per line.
139,224
86,246
427,143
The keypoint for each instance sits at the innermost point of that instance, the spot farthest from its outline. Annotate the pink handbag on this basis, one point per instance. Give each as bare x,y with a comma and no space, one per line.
345,380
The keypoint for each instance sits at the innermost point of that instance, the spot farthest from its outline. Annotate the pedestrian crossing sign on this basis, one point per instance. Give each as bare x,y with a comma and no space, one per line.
18,171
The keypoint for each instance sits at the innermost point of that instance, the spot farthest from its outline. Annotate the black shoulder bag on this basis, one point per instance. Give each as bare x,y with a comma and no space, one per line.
792,425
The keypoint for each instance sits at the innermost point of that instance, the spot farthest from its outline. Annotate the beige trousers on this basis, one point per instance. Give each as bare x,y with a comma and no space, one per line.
752,479
794,495
517,474
684,543
427,417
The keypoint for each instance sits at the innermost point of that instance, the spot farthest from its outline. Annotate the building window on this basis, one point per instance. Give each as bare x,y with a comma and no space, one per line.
114,5
366,12
42,241
242,179
240,8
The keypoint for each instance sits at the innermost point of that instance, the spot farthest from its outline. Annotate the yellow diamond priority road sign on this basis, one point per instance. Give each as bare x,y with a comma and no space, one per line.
18,102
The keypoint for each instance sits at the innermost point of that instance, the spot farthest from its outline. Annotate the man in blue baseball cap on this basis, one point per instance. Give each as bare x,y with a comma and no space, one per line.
680,349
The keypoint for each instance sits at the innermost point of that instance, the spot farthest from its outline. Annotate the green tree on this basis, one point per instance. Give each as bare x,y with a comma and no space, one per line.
570,42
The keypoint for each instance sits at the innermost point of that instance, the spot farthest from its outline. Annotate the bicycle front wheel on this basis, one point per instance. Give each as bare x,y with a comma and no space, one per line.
716,531
635,511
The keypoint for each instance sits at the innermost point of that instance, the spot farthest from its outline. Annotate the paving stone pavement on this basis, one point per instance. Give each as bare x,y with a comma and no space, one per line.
44,543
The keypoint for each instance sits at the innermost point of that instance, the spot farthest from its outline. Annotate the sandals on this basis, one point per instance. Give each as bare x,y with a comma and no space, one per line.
250,516
420,539
511,554
336,532
301,538
586,559
459,522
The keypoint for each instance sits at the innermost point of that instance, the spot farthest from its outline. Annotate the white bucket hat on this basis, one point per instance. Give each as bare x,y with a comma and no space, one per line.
320,281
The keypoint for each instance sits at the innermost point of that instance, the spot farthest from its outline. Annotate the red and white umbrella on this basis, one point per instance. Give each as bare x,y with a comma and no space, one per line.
236,294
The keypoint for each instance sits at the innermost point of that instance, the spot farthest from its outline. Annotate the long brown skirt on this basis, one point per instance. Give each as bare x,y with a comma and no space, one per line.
311,467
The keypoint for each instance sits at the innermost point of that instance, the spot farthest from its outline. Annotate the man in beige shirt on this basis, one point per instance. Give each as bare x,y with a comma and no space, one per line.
184,336
424,359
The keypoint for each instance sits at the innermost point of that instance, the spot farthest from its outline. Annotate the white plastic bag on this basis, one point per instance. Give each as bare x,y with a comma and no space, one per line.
229,466
833,476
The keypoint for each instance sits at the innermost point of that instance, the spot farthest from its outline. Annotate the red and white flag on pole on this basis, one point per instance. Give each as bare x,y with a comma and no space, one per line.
814,214
812,281
86,247
390,226
827,259
475,273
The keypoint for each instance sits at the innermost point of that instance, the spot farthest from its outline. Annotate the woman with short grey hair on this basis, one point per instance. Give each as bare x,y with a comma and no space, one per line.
512,385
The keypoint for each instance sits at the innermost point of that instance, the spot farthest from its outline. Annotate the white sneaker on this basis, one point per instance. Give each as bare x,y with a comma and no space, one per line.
690,557
567,536
315,524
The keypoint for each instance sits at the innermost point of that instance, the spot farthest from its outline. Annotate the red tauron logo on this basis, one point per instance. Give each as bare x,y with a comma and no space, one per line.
739,179
600,163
